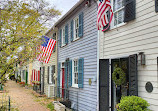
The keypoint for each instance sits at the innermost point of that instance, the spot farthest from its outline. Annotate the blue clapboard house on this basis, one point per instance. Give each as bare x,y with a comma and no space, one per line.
77,56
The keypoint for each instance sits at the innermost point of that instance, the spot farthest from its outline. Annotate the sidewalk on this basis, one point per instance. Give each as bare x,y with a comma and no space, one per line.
22,97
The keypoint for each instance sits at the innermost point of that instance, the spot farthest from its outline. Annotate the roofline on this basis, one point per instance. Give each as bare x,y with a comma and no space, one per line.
75,6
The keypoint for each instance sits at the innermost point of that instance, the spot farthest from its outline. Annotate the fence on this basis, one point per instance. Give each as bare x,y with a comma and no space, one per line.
5,103
67,96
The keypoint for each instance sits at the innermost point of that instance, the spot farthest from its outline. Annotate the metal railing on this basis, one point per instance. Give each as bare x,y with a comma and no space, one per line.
67,96
5,103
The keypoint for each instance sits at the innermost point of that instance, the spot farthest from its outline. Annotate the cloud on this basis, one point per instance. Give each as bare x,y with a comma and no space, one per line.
63,5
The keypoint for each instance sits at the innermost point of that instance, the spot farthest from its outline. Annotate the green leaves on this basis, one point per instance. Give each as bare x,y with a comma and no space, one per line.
23,24
133,103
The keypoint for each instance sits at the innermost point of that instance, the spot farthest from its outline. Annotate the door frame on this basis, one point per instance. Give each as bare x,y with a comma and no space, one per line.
110,78
111,83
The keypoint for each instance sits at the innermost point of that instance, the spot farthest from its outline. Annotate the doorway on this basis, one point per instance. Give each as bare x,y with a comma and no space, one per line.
122,90
63,81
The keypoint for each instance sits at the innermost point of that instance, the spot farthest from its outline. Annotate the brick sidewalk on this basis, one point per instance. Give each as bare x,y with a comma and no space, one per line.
22,97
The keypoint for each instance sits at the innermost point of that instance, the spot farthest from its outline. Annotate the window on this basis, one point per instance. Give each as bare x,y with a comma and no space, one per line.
54,37
75,73
51,71
76,28
118,10
63,37
23,75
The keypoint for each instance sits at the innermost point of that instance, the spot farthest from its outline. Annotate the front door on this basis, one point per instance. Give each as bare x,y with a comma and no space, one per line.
121,90
108,99
63,81
26,79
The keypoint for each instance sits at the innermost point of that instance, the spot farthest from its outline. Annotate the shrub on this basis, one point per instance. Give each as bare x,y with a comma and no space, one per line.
133,103
50,106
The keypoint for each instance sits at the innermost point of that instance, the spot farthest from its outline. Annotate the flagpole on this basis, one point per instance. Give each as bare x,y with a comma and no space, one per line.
98,50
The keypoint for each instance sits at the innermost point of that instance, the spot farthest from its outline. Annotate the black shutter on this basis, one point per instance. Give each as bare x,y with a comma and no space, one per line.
108,15
103,85
156,5
130,10
40,78
133,81
52,72
48,75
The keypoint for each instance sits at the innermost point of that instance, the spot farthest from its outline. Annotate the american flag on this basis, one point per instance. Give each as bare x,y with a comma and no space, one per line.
46,49
102,19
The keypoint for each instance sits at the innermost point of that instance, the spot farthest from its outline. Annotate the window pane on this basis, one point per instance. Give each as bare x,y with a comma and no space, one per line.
120,16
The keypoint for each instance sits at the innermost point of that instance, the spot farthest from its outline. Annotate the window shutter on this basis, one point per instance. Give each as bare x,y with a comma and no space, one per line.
58,80
156,5
103,85
80,32
60,34
54,49
108,15
38,75
43,79
70,73
53,71
133,81
72,25
48,75
130,10
66,34
66,70
80,72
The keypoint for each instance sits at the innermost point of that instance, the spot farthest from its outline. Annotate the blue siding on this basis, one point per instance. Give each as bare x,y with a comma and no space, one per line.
85,47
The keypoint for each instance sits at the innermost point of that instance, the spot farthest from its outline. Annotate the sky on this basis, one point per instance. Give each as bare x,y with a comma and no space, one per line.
63,5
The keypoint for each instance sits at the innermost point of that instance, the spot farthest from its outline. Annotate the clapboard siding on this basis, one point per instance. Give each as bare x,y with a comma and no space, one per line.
139,35
52,61
85,47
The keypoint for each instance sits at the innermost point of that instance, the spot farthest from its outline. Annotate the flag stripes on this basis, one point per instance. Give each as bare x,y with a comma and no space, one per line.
35,75
46,50
102,18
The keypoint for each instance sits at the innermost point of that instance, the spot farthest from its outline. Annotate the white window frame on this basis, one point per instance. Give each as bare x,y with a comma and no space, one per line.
73,74
50,76
63,37
76,28
112,23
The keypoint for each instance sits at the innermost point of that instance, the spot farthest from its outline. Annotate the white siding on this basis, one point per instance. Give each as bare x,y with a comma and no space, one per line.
139,35
52,61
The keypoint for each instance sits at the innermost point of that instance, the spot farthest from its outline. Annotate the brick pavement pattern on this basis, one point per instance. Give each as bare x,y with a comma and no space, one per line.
22,97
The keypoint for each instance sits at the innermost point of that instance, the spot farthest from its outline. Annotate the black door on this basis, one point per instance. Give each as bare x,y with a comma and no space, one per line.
129,66
118,91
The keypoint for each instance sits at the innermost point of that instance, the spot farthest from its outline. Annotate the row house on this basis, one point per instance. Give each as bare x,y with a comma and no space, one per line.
131,43
77,56
49,71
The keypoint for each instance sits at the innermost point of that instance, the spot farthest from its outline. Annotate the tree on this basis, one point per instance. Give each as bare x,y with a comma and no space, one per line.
21,27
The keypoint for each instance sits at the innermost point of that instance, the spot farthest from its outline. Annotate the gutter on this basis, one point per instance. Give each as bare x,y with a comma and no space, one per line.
64,16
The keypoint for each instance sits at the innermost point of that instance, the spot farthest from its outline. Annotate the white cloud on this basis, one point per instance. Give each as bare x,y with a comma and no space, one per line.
63,5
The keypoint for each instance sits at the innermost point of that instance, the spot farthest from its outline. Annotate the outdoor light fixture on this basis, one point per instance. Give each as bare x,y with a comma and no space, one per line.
88,3
142,58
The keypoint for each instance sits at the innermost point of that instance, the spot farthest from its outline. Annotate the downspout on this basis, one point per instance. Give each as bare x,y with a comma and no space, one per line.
98,50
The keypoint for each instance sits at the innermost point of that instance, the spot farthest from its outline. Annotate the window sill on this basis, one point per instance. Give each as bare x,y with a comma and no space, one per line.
75,86
76,39
51,84
64,45
117,26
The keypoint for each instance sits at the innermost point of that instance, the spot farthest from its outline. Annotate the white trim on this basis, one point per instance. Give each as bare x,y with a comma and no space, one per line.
63,36
74,29
98,50
73,85
112,23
